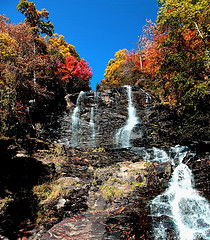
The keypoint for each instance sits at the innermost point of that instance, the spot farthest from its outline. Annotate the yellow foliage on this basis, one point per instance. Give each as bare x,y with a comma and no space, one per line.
8,46
58,43
113,66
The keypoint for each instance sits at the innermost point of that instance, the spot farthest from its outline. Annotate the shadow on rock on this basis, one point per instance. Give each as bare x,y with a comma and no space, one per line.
18,174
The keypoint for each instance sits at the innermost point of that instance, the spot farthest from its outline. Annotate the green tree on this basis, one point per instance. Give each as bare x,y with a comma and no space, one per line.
185,14
36,18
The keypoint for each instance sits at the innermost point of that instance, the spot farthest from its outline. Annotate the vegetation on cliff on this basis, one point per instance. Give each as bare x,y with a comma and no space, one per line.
36,71
42,183
172,63
173,56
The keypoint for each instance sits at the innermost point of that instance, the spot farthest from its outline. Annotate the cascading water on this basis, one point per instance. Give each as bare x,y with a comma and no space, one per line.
180,212
122,138
92,125
148,98
75,122
93,111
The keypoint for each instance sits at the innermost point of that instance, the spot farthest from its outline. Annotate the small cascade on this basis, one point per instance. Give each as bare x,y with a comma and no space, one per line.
177,154
159,155
93,111
76,121
92,125
148,98
180,212
152,155
122,138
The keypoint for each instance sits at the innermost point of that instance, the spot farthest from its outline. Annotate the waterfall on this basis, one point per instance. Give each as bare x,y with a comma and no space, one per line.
92,125
180,212
93,111
148,98
159,155
75,122
122,138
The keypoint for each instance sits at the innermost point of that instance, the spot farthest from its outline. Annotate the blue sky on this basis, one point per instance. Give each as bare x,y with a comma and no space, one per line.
97,28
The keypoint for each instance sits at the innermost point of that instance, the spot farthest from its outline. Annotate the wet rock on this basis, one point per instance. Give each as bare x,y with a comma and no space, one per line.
110,114
200,166
95,191
117,203
61,203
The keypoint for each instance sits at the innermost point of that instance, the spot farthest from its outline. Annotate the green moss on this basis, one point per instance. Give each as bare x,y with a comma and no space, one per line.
111,192
94,182
148,164
54,155
115,180
167,171
98,150
154,133
48,195
47,191
5,202
138,184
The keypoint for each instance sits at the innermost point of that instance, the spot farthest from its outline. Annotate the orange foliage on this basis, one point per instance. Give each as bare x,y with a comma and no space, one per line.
153,52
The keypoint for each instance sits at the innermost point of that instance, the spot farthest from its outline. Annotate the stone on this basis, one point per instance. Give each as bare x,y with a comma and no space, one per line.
61,203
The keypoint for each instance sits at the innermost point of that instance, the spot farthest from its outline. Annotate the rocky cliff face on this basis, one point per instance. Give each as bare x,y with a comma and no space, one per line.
101,114
95,188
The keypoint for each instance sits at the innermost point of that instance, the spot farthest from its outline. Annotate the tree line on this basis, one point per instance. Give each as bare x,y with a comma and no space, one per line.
172,60
37,67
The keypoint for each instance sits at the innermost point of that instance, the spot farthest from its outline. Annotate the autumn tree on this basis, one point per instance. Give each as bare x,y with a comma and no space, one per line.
124,69
36,18
175,53
185,14
74,75
38,25
29,62
58,45
8,53
111,73
153,50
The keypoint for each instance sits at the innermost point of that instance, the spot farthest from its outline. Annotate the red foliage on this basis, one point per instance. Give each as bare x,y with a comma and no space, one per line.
75,72
20,111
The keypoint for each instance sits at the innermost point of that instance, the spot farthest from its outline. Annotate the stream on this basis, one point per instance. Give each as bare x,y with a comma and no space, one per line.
180,212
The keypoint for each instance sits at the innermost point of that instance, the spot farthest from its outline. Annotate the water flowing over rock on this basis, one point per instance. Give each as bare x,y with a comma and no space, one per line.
98,116
127,200
111,120
92,125
180,212
76,121
120,177
123,135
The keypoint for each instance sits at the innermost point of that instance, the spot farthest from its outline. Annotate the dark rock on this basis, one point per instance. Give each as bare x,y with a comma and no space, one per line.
200,166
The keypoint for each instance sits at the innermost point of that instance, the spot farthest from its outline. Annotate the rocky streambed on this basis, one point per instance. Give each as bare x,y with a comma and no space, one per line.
114,199
79,183
92,193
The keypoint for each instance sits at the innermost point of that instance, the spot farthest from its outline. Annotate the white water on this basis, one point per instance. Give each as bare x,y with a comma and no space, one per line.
148,97
93,112
122,138
92,125
180,210
159,155
75,122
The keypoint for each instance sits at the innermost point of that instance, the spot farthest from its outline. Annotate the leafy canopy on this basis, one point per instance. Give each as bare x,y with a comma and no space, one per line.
36,18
